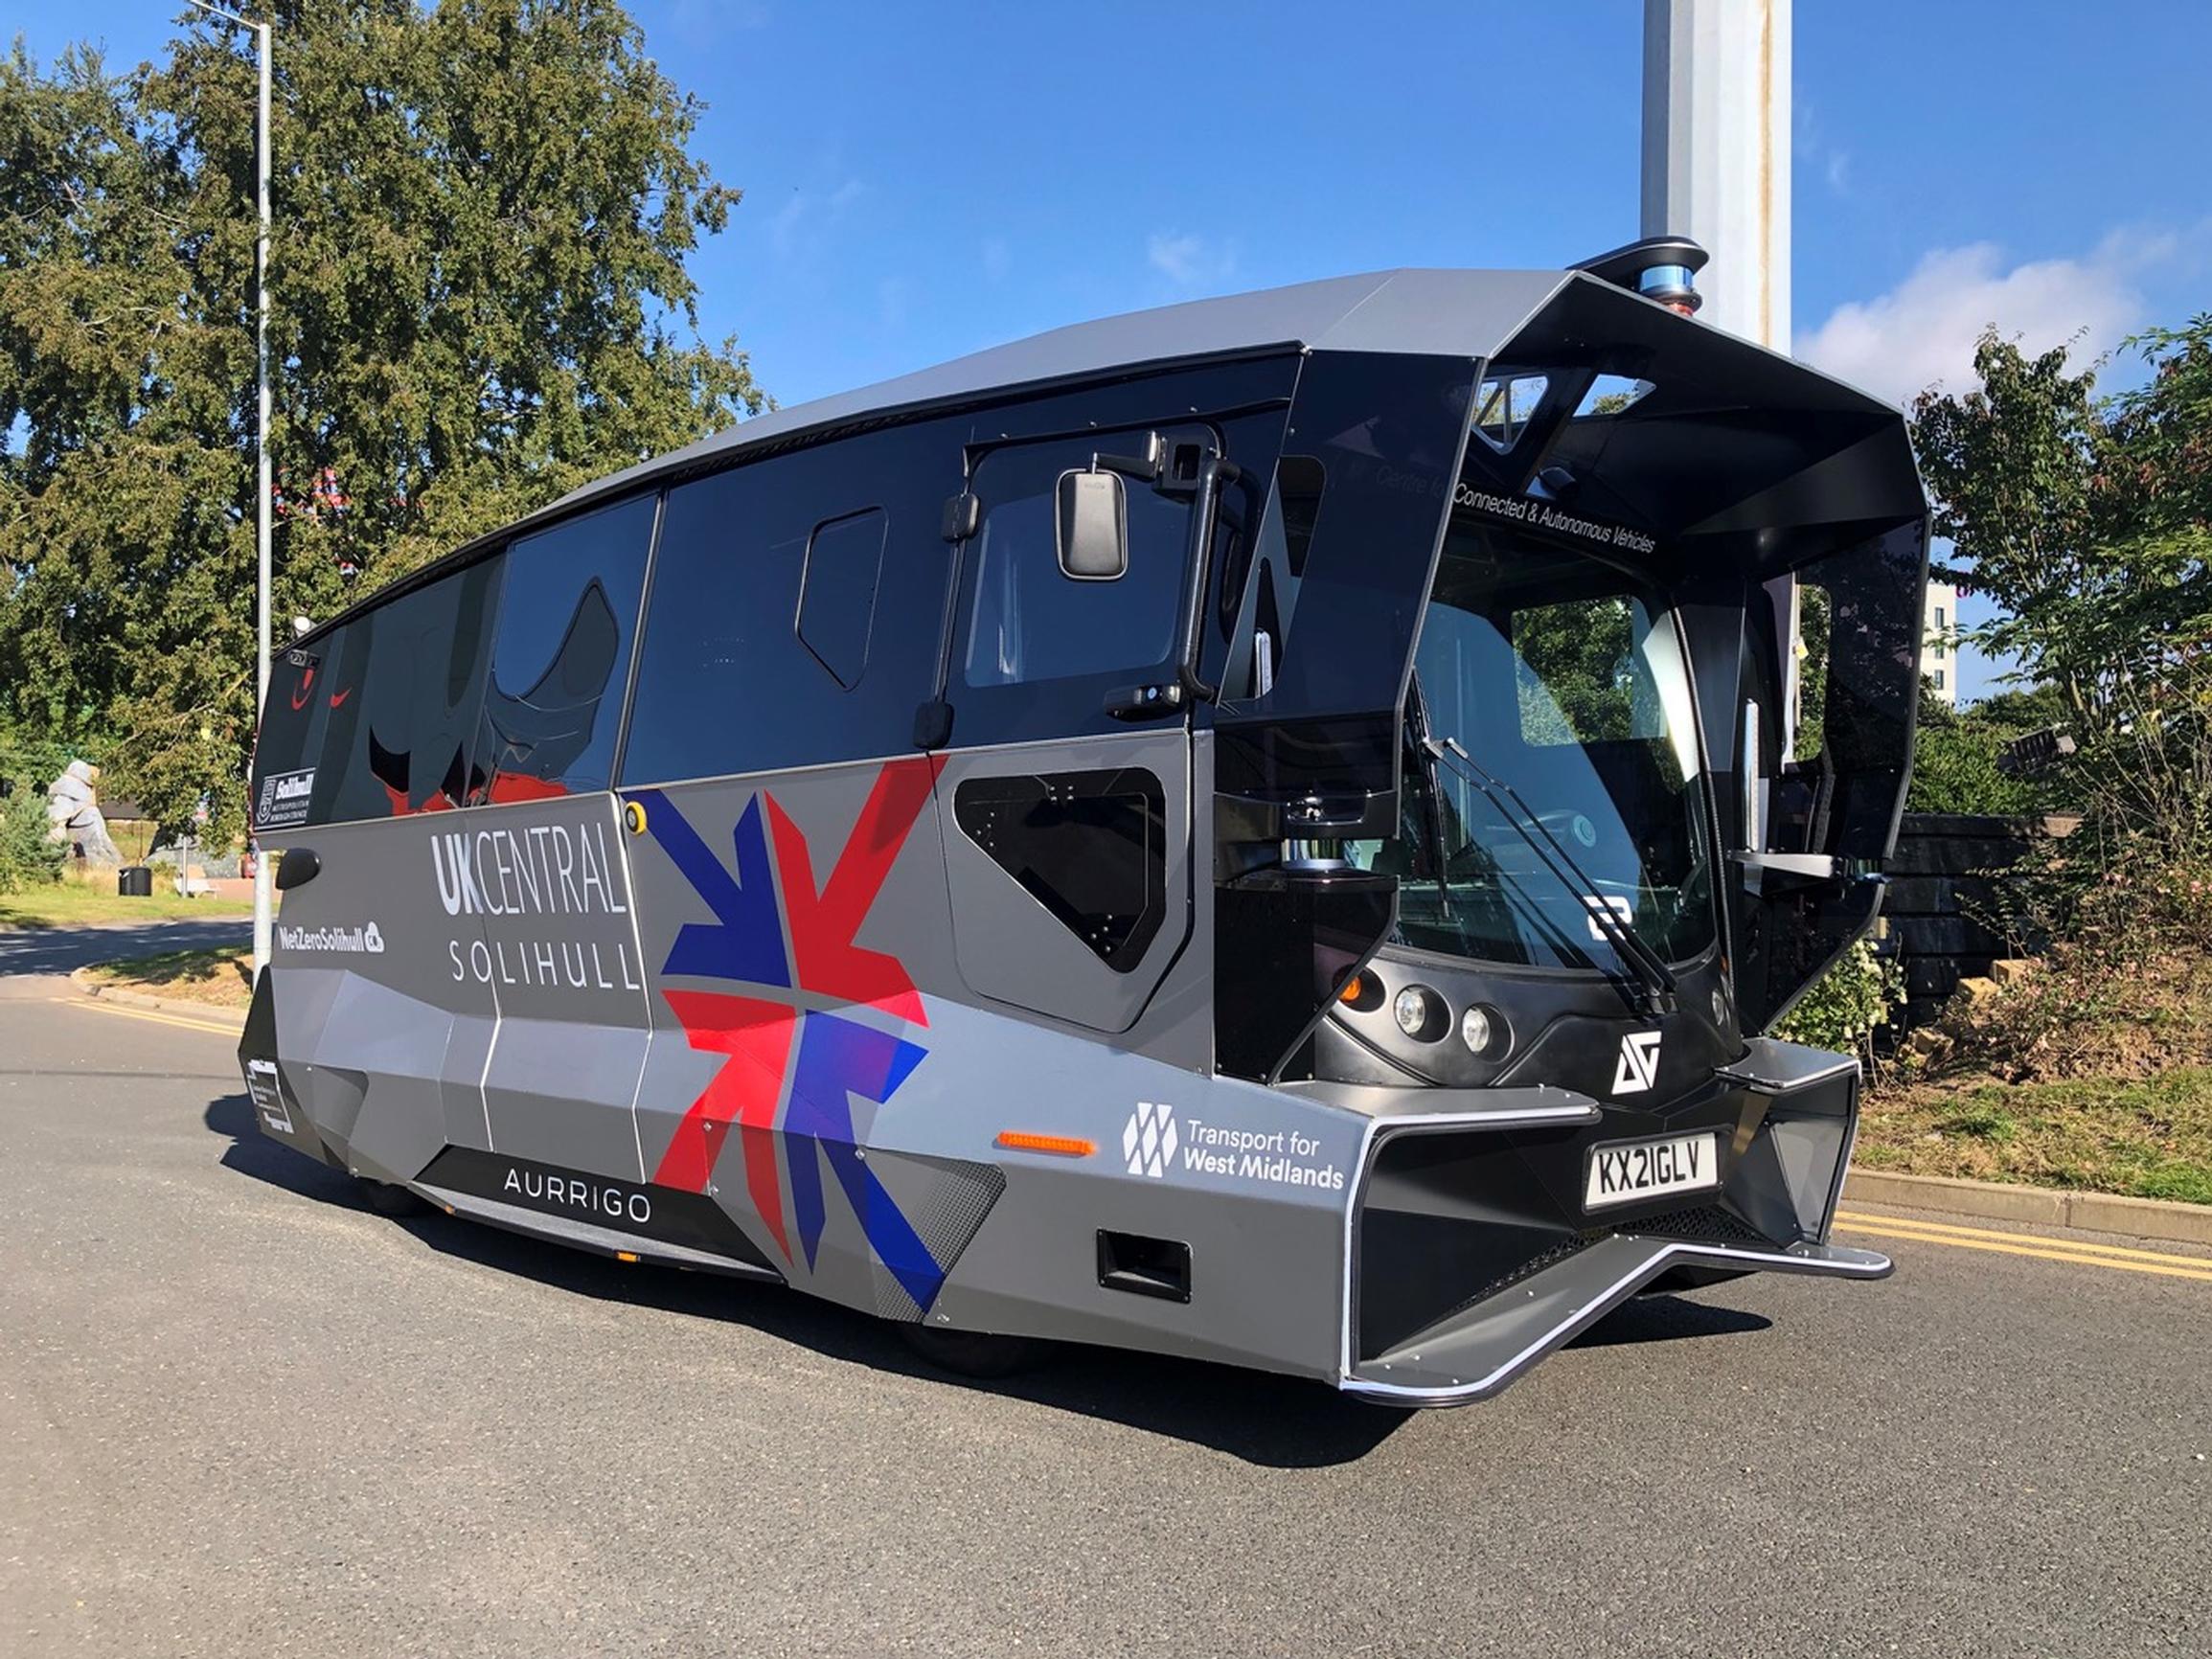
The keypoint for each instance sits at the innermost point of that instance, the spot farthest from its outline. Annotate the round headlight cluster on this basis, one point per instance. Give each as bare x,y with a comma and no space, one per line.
1425,1016
1484,1032
1410,1009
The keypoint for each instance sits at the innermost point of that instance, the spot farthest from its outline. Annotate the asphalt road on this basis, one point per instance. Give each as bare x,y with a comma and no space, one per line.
240,1415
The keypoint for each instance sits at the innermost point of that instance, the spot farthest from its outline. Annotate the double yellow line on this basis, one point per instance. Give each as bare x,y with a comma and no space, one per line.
158,1016
2066,1250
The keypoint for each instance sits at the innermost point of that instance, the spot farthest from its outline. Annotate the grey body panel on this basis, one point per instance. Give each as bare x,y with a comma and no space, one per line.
1009,948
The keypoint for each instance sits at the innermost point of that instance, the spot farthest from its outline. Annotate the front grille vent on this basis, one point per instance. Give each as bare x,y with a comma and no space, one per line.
1709,1222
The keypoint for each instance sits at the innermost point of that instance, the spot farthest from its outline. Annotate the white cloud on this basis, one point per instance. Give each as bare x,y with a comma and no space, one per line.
798,229
1189,260
1922,332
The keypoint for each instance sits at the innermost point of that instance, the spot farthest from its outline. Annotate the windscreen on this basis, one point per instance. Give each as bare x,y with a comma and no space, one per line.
1559,771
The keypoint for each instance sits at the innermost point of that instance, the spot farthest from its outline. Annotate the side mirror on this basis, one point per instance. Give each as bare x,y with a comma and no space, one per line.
1091,527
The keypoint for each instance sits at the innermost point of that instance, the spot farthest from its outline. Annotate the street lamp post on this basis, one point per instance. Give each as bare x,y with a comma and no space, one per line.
264,878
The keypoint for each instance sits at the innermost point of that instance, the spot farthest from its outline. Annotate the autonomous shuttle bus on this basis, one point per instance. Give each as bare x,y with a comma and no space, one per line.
1269,831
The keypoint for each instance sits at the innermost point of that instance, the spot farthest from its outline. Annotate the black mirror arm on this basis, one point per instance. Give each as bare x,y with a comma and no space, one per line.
1204,510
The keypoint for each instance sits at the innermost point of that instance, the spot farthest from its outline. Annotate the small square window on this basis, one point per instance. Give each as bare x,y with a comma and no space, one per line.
1502,408
837,594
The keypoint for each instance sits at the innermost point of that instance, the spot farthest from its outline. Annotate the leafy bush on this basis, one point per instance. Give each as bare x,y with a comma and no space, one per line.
1954,760
26,857
2125,992
1847,1005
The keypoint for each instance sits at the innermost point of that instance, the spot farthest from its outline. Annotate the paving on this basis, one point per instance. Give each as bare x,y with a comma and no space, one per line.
241,1415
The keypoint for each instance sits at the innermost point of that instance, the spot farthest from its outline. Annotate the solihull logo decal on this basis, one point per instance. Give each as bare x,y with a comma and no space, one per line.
1638,1067
1149,1139
791,1073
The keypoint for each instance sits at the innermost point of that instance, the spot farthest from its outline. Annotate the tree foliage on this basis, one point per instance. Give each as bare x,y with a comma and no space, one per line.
2090,522
1956,759
28,855
483,212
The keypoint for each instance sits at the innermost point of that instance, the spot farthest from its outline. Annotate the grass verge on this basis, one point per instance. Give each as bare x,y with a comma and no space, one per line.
78,904
222,978
2143,1136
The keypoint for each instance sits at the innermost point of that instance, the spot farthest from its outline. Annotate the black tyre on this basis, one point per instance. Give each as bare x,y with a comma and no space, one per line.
385,1199
977,1353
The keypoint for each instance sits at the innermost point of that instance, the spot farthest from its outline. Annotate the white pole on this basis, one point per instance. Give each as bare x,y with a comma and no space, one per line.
1716,152
1717,114
264,878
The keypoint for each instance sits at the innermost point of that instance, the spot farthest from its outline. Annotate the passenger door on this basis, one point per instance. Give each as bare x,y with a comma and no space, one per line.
1064,799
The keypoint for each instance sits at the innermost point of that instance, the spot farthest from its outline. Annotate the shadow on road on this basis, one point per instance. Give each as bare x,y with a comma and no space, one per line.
1664,1318
43,950
1272,1421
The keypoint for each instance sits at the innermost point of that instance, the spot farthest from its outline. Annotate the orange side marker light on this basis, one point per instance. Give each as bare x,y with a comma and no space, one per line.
1062,1145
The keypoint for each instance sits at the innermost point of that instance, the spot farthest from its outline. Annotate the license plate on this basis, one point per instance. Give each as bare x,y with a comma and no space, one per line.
1631,1171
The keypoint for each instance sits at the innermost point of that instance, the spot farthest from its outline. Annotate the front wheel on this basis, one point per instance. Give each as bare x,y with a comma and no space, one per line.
978,1353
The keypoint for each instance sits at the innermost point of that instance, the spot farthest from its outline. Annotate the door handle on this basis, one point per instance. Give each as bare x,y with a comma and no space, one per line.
1144,702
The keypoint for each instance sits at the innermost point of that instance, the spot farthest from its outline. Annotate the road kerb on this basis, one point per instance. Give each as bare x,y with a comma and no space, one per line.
82,978
2045,1206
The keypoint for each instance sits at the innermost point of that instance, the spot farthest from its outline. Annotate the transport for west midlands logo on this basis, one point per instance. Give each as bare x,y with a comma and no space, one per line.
1638,1067
1149,1139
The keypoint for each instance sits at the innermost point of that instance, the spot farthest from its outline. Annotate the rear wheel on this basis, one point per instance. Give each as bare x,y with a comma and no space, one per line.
977,1353
386,1199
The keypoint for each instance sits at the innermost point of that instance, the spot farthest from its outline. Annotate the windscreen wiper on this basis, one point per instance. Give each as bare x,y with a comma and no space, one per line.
1651,972
1428,750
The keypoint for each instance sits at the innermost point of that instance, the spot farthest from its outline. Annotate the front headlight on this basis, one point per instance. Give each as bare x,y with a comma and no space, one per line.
1410,1009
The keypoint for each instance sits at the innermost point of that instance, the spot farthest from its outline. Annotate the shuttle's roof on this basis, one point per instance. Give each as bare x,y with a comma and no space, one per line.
1425,312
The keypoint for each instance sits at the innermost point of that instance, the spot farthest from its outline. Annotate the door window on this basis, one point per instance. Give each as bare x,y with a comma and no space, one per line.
1040,649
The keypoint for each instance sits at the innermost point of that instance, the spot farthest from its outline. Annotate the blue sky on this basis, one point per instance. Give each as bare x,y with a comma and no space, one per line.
924,180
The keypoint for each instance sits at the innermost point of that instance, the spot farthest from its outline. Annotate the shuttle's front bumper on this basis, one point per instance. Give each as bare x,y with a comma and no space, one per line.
1480,1241
1474,1353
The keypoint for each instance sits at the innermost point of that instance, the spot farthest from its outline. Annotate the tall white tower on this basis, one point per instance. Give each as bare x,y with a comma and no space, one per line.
1716,152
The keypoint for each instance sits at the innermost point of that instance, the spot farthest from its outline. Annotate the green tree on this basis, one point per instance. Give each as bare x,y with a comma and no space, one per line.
483,215
2090,522
28,857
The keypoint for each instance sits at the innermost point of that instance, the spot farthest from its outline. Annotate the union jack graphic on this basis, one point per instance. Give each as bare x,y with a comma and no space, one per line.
775,1034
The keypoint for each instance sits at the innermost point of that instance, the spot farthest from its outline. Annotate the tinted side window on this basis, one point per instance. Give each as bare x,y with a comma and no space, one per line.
416,699
1027,620
380,715
737,675
290,785
837,594
567,624
1038,652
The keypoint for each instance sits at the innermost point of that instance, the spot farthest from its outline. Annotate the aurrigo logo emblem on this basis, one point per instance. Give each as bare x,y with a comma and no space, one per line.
1638,1067
1149,1139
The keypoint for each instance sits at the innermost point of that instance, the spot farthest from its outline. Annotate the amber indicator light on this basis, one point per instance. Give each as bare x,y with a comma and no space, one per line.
1063,1145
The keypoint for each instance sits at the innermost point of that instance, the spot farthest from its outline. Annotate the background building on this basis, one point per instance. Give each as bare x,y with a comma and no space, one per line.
1939,661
